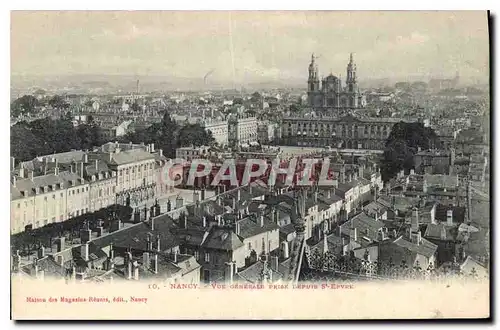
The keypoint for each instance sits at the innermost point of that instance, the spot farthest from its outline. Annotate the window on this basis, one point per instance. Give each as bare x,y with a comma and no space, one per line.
207,257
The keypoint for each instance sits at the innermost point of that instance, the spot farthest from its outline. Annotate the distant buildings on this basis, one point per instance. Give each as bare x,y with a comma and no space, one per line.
348,132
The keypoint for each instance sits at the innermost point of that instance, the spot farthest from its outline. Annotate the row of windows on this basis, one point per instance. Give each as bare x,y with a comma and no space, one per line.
138,167
366,128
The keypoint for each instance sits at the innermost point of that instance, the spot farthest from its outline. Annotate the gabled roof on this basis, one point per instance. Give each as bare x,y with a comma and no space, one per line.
222,239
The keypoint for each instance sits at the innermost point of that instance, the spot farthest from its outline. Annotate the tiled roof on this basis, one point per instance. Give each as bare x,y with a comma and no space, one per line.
440,232
250,226
362,222
135,236
425,248
222,239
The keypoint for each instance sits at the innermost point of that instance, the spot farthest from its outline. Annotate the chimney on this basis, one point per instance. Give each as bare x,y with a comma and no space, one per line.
274,263
152,147
61,244
443,233
414,220
262,219
22,172
219,219
449,217
84,251
110,156
394,233
175,256
152,223
284,250
129,265
325,243
96,164
229,272
155,264
239,194
85,158
12,163
354,234
85,235
136,270
237,227
158,243
41,252
179,201
316,196
416,238
81,169
32,174
14,180
145,260
56,171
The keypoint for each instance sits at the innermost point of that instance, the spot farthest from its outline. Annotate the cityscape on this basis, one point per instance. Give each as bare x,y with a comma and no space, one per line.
138,176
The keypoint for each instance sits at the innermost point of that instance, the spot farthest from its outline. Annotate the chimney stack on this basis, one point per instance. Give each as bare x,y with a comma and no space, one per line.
204,218
443,233
12,163
154,263
262,219
237,227
61,244
14,180
229,272
136,270
85,235
32,175
96,164
85,158
128,261
22,172
449,217
85,251
415,225
158,243
274,263
354,234
41,252
284,250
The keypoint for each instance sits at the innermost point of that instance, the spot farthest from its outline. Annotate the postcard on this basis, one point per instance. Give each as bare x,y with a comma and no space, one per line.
250,165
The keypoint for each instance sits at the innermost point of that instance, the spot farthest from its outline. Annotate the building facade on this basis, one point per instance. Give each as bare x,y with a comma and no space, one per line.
219,130
347,132
330,93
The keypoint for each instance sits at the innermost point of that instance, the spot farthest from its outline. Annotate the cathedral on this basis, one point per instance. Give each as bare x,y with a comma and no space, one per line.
330,94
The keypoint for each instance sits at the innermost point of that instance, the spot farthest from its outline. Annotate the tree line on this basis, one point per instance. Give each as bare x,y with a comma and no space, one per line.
47,136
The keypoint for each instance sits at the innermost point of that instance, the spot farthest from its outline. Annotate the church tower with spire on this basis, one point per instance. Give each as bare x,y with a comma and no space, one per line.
352,84
313,88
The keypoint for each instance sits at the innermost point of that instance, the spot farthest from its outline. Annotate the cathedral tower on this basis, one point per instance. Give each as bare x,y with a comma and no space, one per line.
351,83
313,87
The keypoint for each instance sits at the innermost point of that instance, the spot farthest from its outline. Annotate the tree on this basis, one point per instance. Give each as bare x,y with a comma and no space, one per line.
135,106
23,105
58,102
402,144
194,134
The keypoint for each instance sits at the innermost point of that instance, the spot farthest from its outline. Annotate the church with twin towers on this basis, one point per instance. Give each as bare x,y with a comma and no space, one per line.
330,93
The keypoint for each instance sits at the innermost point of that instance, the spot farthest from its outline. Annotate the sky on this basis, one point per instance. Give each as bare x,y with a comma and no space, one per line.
249,46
